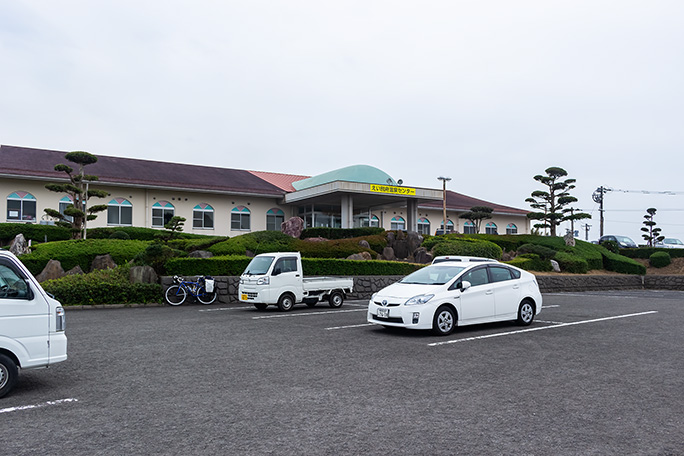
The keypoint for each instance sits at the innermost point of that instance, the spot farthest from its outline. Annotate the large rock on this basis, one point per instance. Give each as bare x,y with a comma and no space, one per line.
293,226
364,243
363,256
102,262
555,266
414,240
422,256
76,270
388,254
143,274
200,254
569,239
19,246
52,270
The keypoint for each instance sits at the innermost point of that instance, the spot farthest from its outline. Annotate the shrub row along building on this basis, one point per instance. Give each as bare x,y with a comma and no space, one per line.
230,202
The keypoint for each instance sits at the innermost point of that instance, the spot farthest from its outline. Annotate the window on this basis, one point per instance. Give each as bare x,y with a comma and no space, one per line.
375,221
274,218
476,277
286,265
499,273
398,223
490,228
469,228
21,206
450,226
203,217
511,229
120,212
12,285
162,212
63,204
424,226
239,219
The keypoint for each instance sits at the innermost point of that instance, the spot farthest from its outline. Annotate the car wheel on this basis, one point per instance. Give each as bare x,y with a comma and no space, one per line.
525,313
260,306
8,374
285,302
444,321
336,299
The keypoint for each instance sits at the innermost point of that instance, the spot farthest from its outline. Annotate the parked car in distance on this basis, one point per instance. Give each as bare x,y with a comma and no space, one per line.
461,259
670,243
623,241
442,296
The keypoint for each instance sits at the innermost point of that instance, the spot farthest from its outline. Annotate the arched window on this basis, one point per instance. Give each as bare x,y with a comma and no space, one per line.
239,219
469,227
423,226
398,223
274,218
63,204
375,221
21,206
162,213
450,226
511,229
490,228
120,212
203,217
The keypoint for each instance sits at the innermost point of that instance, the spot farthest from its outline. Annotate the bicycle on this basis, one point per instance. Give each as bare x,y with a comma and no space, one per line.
203,290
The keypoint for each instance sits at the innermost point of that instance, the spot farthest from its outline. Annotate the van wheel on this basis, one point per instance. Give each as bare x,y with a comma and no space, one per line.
336,299
444,321
260,306
525,313
8,374
285,302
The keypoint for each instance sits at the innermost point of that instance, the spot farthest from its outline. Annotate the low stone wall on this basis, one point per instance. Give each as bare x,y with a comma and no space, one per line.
365,286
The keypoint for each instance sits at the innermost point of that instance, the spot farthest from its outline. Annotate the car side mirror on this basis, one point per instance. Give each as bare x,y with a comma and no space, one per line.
464,285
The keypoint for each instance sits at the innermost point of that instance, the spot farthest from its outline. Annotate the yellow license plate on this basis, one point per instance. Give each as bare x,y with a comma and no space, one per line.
243,297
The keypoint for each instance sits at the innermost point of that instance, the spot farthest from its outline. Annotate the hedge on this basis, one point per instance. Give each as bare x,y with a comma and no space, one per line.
660,259
81,252
110,286
531,262
340,233
467,247
256,242
138,233
235,265
337,248
618,263
34,232
646,252
571,263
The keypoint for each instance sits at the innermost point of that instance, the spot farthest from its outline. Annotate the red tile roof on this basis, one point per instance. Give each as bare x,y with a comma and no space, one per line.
282,181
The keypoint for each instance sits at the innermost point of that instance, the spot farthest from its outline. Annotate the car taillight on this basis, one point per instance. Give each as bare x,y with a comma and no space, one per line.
60,319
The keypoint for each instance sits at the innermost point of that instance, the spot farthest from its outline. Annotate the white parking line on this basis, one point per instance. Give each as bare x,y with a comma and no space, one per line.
541,328
308,313
550,322
548,307
226,308
350,326
35,406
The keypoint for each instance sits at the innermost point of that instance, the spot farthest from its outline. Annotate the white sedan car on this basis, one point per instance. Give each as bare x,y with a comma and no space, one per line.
449,294
670,243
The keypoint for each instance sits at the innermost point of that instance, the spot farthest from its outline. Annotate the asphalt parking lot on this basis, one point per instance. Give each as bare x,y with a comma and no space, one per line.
596,373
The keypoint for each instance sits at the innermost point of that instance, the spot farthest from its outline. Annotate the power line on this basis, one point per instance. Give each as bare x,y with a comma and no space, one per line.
645,192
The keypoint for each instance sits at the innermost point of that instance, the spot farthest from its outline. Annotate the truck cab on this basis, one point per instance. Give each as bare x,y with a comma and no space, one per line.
32,323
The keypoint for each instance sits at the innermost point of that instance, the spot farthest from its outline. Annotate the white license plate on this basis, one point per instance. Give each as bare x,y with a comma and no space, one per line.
383,312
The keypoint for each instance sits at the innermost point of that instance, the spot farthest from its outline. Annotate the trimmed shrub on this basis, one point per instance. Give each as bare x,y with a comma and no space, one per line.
611,246
531,262
545,253
646,252
232,265
660,259
337,248
341,233
36,233
467,247
571,263
136,233
120,235
618,263
257,242
81,252
110,286
190,245
156,255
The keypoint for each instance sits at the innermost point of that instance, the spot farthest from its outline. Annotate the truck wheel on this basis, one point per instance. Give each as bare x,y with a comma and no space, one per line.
336,299
260,306
8,374
285,302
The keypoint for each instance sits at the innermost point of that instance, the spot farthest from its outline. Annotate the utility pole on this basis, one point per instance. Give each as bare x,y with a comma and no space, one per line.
598,198
586,231
444,181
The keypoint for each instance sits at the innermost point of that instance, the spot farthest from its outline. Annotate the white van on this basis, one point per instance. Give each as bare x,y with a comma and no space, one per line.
31,323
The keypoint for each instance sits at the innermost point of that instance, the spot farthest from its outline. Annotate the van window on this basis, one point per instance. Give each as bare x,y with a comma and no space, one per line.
12,286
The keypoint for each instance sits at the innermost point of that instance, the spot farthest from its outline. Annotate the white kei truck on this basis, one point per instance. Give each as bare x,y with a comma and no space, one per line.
277,279
32,323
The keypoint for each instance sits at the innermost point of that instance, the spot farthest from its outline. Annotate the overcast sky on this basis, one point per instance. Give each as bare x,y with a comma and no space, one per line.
489,93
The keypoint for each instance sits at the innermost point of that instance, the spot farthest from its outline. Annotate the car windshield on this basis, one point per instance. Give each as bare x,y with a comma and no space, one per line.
673,241
624,239
259,265
433,275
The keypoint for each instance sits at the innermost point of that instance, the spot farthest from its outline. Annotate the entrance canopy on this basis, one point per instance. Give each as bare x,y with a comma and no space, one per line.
359,188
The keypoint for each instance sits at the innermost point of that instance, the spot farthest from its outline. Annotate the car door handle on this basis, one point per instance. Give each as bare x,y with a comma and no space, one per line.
296,275
515,287
488,292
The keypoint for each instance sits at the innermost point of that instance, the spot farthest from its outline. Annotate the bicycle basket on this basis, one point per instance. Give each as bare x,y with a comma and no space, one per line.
209,284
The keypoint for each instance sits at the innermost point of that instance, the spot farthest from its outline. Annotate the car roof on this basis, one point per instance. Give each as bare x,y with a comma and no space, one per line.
462,259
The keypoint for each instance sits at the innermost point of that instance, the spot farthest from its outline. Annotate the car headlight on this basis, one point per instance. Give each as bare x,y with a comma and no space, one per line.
420,299
264,281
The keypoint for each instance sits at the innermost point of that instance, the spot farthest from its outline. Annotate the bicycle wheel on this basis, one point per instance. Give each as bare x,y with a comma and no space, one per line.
175,295
204,297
